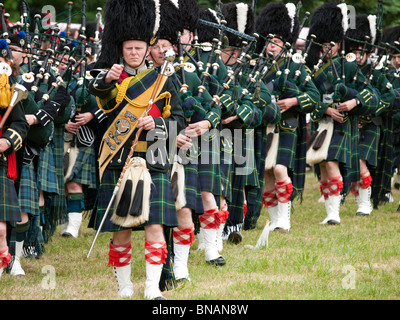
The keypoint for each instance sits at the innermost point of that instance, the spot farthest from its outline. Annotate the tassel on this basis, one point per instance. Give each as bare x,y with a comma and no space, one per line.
319,140
178,185
134,193
174,182
66,161
125,201
311,140
137,201
268,143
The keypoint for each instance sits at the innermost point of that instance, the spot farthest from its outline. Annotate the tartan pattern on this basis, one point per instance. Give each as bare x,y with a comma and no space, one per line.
191,186
28,193
84,170
270,199
47,173
209,174
292,150
183,236
155,252
382,174
335,185
208,219
119,255
58,201
162,203
287,148
283,189
9,206
324,188
236,206
369,142
138,84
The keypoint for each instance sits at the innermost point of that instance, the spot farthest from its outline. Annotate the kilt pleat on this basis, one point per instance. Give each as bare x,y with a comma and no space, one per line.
287,148
47,176
368,145
28,192
191,185
9,206
162,204
84,170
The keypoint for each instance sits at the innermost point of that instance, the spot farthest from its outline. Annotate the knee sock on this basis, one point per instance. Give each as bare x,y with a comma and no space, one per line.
270,199
335,185
208,219
120,255
366,180
183,236
75,202
284,189
155,252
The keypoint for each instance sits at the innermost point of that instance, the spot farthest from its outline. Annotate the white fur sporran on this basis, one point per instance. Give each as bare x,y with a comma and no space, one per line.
315,154
135,172
272,150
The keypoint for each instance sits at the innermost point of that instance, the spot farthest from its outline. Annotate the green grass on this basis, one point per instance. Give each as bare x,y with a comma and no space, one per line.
359,259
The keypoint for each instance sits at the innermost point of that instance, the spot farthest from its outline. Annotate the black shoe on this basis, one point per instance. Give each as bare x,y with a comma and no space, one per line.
235,237
220,261
333,222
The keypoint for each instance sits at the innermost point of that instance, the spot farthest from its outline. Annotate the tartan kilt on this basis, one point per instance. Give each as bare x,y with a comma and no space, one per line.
209,175
9,206
236,205
340,146
162,203
28,193
249,171
368,144
287,148
226,168
191,185
47,174
84,170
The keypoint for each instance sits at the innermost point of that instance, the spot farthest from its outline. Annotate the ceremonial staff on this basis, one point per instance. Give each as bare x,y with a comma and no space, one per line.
20,93
169,57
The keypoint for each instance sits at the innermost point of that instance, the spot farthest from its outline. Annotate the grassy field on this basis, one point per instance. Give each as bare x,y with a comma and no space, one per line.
357,260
